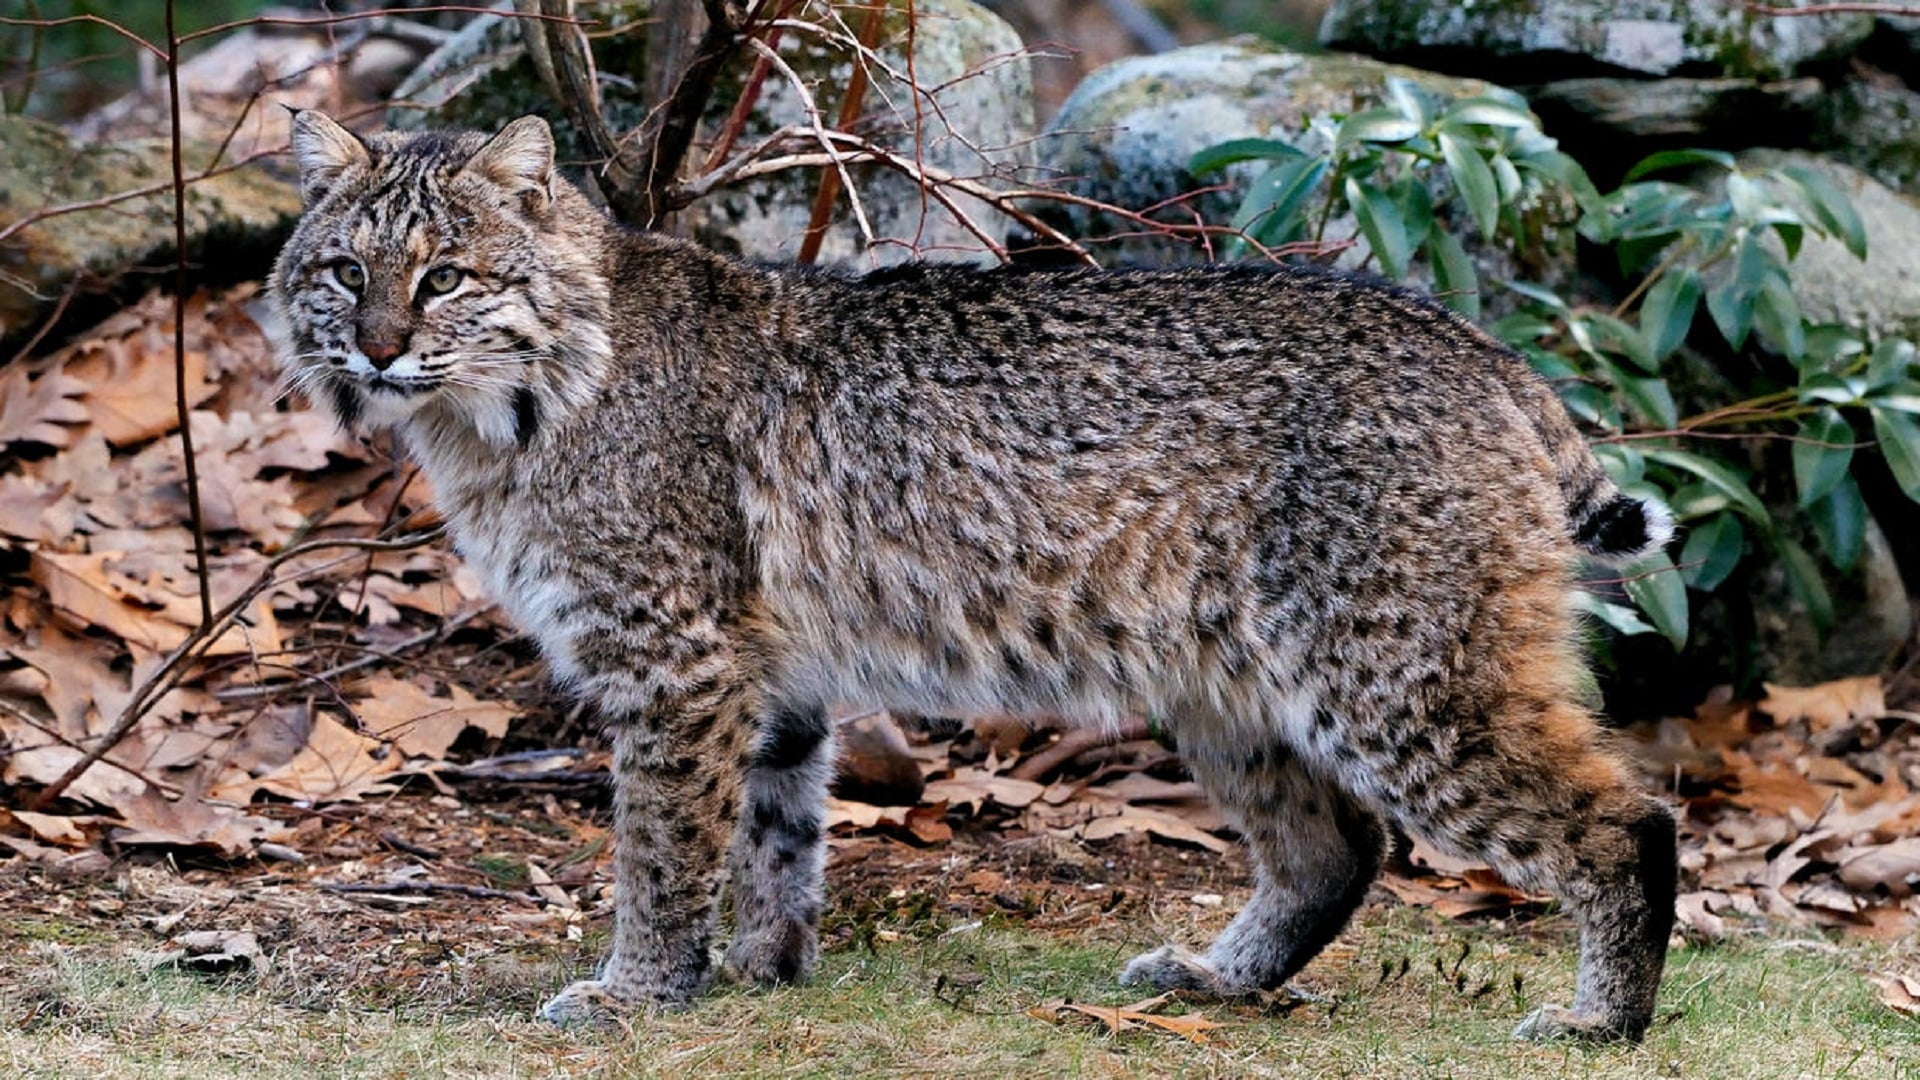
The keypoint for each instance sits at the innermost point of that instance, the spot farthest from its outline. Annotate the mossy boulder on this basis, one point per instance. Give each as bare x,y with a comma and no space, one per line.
1874,126
1533,40
1879,296
1126,134
243,211
973,118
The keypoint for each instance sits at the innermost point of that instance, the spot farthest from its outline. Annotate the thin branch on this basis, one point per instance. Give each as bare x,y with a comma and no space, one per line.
392,888
828,192
372,657
30,720
332,20
181,405
1836,9
48,24
816,127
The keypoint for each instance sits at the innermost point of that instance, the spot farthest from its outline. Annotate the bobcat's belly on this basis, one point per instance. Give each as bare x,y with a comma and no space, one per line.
948,653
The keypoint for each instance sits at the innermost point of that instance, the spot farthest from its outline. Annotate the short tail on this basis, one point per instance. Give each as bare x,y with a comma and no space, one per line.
1605,522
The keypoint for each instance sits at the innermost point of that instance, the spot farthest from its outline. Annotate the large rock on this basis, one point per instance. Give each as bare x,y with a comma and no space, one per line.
974,120
1880,296
1729,113
41,168
1530,40
1128,131
1873,124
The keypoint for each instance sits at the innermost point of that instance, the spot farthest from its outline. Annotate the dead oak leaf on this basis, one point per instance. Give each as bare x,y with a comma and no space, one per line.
977,787
153,820
50,828
129,387
1899,991
31,509
336,765
1827,705
422,724
92,591
35,409
1895,866
1120,1018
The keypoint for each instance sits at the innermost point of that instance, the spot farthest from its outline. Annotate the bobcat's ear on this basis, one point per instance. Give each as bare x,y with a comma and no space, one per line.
519,159
324,150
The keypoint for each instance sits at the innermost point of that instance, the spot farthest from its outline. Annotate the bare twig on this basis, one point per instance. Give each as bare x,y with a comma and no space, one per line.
1074,742
47,24
372,657
392,888
1837,9
829,189
33,722
816,127
180,321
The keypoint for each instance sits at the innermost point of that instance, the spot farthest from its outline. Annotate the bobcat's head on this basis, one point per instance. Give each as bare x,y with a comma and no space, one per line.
445,280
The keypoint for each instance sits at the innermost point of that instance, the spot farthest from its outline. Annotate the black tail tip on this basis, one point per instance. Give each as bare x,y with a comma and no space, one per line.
1625,528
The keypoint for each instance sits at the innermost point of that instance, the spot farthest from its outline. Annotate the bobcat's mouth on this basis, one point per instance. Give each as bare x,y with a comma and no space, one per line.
398,387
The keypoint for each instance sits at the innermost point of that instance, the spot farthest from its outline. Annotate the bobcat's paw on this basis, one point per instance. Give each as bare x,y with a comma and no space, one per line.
587,1003
1171,967
786,956
1558,1022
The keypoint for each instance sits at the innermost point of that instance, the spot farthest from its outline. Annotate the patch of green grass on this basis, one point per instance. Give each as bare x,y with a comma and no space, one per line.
1405,994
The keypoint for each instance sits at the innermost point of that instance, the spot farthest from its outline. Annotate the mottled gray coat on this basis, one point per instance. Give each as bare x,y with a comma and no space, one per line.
1322,528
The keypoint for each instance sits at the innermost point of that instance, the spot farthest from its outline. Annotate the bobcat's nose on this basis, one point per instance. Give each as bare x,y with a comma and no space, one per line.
380,351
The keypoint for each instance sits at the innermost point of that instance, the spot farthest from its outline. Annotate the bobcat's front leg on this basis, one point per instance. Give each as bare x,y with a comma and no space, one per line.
676,798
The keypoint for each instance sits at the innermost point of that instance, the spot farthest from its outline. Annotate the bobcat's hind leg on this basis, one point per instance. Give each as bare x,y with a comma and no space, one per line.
1510,769
779,852
1315,853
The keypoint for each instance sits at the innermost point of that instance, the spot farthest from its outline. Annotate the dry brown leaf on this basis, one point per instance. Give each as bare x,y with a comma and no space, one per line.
129,393
101,784
336,765
928,824
858,815
80,587
1774,788
976,787
51,828
1119,1018
1456,897
1828,704
77,671
1147,819
154,820
423,724
1895,866
34,510
33,410
93,590
1899,991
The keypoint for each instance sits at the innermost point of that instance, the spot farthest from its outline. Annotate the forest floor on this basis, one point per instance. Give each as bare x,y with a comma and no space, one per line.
981,957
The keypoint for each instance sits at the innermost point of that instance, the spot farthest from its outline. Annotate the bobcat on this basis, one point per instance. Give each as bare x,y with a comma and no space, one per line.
1321,527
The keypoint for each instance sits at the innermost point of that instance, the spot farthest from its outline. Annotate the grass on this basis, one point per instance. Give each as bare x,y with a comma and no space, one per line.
1406,995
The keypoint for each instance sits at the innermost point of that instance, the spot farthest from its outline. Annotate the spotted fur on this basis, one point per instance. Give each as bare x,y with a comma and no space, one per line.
1321,527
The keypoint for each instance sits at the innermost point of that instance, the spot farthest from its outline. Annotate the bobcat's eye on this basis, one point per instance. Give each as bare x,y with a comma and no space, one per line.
442,279
351,274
